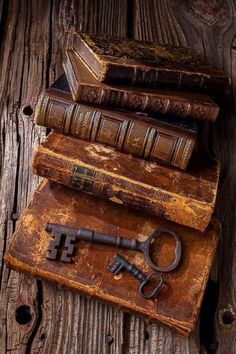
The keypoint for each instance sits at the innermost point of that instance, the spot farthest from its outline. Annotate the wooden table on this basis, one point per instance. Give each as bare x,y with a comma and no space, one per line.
37,316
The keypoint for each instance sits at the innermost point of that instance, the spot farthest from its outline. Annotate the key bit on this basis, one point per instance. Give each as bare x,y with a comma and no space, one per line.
119,263
115,267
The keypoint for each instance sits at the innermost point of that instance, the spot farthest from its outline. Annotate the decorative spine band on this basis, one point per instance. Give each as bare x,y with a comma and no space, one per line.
155,142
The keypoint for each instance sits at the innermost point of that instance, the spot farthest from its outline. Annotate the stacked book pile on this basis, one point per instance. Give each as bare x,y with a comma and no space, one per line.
122,160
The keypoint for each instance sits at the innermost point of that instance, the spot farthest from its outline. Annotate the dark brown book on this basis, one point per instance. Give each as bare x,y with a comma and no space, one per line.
136,134
129,61
178,303
187,198
86,89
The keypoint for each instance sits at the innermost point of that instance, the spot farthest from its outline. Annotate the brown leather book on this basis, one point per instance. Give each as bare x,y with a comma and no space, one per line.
187,198
86,89
129,61
178,303
151,139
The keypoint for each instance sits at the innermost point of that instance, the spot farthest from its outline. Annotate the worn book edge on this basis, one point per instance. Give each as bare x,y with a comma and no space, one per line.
43,150
182,327
104,70
205,208
206,104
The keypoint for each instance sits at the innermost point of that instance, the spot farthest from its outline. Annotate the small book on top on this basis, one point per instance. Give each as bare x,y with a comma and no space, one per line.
132,62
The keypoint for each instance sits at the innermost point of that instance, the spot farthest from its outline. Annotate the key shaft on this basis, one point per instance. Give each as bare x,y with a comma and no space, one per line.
71,235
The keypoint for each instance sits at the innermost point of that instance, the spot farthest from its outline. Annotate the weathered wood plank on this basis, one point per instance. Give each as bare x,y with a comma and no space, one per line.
210,29
156,21
37,316
92,327
17,140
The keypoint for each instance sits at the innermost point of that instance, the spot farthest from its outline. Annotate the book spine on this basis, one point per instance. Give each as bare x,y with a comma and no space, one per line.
139,102
144,102
164,79
149,76
119,189
152,142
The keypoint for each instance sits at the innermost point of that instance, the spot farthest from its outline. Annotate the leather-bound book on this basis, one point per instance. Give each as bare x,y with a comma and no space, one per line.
86,89
166,141
186,197
129,61
178,302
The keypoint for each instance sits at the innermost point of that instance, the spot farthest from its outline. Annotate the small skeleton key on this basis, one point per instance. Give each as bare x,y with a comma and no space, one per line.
69,235
120,263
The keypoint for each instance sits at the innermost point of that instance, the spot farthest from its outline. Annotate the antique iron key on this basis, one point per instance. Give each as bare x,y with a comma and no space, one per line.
119,263
66,237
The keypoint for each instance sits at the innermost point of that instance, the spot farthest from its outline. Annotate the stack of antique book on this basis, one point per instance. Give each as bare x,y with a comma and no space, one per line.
125,119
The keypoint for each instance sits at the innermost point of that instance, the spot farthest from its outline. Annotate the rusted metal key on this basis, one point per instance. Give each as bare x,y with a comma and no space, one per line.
65,237
119,263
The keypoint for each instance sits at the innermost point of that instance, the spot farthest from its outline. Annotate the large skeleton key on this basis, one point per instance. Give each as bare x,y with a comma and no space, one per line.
65,237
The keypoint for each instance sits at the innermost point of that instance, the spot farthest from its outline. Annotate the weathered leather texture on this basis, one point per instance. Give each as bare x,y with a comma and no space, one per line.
186,197
124,60
178,303
128,132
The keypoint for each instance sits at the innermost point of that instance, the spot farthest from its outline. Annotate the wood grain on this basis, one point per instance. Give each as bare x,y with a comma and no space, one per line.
210,29
31,60
31,52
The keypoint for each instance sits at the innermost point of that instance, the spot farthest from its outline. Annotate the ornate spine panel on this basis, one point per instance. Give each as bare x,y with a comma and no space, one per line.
149,141
143,102
85,91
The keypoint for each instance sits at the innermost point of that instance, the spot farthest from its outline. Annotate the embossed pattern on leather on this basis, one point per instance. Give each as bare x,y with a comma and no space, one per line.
148,138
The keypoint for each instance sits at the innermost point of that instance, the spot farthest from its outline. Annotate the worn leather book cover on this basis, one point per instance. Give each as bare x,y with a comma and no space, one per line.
86,89
178,303
129,61
187,198
148,138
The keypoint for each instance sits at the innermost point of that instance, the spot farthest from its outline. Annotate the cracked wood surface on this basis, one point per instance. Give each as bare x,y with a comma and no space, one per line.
32,33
